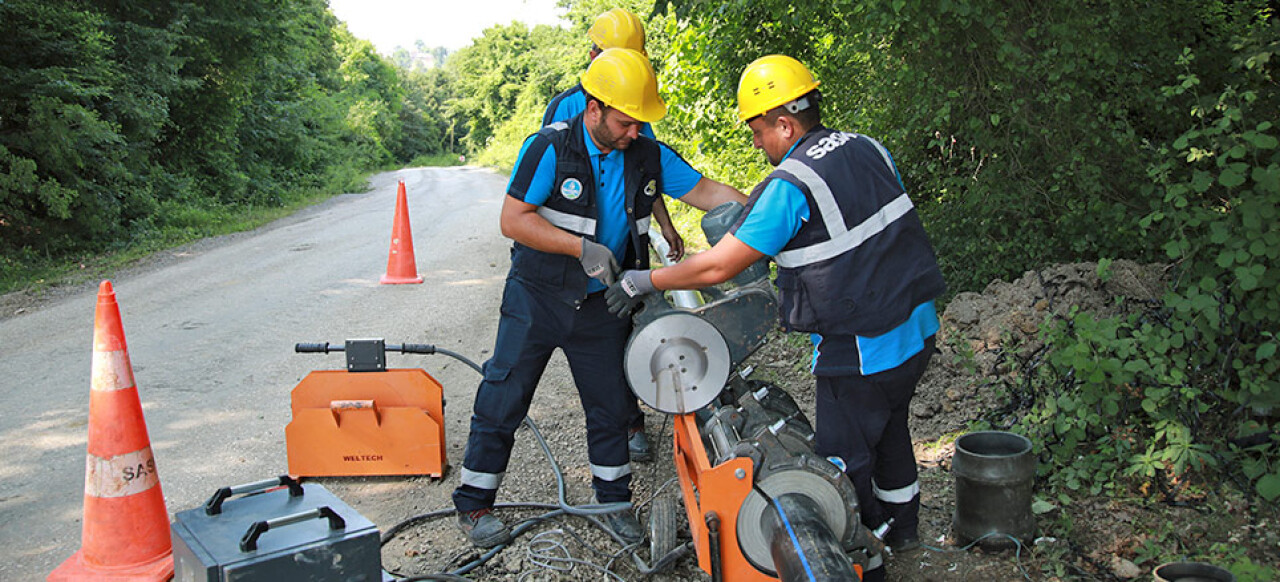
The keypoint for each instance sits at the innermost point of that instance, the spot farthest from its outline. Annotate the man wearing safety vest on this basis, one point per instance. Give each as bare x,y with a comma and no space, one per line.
855,269
578,204
620,28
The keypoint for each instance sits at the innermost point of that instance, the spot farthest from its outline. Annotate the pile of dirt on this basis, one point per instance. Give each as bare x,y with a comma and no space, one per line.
984,334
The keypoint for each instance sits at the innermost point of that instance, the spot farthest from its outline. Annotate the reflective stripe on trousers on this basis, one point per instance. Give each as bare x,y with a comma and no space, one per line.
532,326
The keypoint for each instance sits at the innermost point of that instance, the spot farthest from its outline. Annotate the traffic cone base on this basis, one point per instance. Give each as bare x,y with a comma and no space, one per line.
125,535
401,267
76,569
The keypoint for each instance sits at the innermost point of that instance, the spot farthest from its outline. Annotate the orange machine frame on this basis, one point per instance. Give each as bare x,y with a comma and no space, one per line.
720,489
367,423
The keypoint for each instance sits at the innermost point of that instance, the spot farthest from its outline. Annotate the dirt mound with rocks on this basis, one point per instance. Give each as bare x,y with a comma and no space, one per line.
983,333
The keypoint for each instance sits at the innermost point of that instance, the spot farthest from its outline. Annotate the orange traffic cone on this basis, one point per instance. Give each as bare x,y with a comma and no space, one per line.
400,264
126,526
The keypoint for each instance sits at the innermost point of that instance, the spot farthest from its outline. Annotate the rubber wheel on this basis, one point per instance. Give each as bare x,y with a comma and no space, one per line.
663,526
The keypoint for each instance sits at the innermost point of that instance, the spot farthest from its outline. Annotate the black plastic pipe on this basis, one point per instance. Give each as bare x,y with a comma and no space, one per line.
802,546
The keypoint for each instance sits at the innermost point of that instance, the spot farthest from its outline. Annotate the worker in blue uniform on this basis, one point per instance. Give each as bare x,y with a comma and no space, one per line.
855,269
620,28
578,205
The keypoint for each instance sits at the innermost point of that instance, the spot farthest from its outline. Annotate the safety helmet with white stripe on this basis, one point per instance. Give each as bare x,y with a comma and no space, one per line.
774,81
623,79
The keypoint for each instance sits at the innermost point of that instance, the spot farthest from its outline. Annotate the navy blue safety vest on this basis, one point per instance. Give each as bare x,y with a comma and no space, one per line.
549,114
572,206
862,262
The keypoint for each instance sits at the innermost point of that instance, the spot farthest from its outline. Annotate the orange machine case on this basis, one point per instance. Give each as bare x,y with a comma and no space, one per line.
367,423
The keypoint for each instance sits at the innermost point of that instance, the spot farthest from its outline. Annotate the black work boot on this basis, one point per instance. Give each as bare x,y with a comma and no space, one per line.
902,544
625,524
638,446
483,528
905,546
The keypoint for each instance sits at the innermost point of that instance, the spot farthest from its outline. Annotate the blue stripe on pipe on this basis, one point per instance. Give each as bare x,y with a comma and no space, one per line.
794,541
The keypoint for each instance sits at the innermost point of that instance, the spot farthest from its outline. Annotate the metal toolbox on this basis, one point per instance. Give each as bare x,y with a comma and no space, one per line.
279,530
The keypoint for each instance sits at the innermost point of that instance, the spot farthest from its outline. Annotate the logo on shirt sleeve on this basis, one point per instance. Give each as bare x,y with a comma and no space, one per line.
571,189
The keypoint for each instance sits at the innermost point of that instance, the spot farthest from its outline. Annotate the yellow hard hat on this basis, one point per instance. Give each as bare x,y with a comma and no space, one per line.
618,28
772,81
623,79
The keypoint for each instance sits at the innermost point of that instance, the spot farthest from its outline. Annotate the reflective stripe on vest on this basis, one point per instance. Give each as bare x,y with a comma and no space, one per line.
610,473
481,480
842,240
581,224
575,224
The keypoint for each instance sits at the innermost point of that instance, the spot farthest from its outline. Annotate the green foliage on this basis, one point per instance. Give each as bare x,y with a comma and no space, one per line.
1168,394
126,123
504,64
424,128
372,97
1022,142
1234,558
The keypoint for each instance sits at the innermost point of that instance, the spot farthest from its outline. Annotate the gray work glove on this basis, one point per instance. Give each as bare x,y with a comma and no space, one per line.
628,293
598,262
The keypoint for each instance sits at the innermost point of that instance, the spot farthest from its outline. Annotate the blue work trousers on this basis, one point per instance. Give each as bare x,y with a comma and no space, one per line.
863,420
531,327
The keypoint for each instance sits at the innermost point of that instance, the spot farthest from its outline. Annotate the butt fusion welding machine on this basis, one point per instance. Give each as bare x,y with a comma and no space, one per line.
761,504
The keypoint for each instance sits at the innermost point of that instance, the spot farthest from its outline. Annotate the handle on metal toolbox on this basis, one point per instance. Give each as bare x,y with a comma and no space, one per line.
214,505
249,542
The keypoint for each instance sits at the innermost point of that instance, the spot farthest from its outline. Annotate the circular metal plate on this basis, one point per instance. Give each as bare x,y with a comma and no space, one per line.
677,363
751,538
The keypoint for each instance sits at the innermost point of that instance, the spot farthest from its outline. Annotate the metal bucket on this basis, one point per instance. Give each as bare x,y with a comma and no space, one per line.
1191,572
994,474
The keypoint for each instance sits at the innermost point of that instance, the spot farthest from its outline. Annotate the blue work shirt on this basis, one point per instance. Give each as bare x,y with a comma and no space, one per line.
612,227
774,220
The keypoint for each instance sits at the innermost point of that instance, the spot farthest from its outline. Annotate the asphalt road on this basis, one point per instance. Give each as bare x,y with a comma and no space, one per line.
210,331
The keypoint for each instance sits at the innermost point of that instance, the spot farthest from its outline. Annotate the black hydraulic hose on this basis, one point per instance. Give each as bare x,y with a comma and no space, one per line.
581,510
395,530
563,507
327,347
430,349
590,512
462,359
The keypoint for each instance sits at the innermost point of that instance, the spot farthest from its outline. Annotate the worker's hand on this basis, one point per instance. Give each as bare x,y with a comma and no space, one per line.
598,262
674,241
624,296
